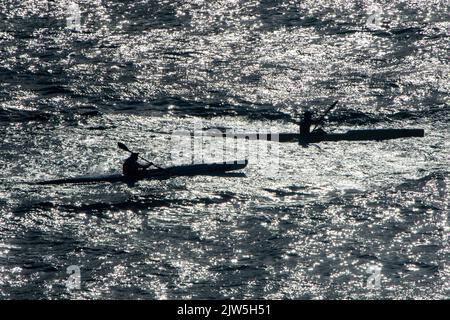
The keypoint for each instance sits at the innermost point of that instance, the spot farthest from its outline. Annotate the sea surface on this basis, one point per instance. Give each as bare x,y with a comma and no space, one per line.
346,220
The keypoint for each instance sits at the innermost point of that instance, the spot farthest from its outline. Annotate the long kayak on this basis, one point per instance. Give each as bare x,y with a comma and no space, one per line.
355,135
351,135
157,174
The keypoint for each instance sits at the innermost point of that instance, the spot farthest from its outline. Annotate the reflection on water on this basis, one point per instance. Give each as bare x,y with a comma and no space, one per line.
310,224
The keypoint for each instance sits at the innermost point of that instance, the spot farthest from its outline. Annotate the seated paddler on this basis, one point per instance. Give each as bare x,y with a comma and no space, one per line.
307,122
132,167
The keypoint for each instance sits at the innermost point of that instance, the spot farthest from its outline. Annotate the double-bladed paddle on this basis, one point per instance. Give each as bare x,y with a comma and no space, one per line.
322,118
125,148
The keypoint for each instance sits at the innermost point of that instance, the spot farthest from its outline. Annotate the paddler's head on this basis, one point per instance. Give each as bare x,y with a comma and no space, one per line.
308,115
134,156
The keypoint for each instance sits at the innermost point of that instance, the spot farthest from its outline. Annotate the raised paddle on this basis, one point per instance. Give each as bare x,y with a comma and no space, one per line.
320,121
125,148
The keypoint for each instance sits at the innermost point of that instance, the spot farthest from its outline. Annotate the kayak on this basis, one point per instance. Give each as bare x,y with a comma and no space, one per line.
156,174
351,135
354,135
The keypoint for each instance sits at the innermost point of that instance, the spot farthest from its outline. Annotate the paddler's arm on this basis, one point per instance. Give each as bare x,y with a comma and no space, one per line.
145,166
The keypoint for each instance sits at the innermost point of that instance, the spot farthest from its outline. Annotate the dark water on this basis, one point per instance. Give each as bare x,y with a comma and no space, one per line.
309,224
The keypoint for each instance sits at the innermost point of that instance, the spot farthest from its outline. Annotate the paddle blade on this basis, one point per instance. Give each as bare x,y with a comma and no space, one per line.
330,108
123,147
